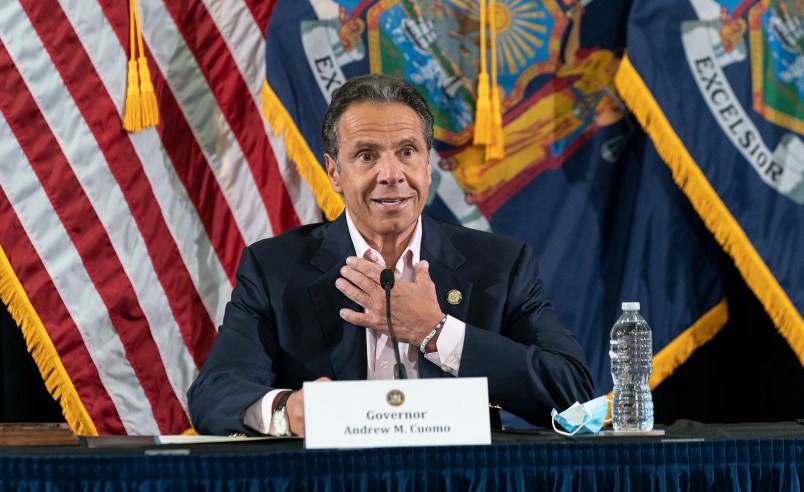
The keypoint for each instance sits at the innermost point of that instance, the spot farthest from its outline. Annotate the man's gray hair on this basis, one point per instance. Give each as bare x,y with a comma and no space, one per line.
376,88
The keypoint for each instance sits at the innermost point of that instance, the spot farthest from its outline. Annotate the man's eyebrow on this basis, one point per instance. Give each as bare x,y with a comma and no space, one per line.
365,144
409,142
360,145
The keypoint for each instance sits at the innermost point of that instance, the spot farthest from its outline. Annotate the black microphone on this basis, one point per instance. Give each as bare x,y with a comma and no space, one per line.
387,282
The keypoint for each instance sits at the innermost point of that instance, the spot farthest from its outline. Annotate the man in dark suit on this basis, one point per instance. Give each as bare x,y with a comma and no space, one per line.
308,304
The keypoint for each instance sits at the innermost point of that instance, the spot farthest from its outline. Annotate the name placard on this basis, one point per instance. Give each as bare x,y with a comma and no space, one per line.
391,413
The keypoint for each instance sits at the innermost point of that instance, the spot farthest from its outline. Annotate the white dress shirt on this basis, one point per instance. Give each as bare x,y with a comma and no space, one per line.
380,351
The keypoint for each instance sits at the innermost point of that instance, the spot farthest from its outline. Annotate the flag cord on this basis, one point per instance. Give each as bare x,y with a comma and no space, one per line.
495,149
141,108
483,104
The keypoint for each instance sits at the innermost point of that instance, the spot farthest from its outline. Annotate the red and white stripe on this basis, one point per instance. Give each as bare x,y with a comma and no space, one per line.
127,245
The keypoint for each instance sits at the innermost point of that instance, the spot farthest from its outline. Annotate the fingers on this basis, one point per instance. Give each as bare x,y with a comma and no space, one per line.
368,268
421,277
421,271
295,409
354,292
366,320
361,283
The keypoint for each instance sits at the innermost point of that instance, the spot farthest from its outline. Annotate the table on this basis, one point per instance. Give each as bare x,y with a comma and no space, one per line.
691,456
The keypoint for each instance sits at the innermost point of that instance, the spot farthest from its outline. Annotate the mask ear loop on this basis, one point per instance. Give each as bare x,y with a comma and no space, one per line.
570,434
611,412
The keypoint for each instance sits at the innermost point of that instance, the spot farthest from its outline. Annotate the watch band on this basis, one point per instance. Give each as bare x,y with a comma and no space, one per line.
283,400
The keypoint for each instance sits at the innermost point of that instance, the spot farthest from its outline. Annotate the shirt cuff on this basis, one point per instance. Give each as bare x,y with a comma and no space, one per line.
258,415
449,346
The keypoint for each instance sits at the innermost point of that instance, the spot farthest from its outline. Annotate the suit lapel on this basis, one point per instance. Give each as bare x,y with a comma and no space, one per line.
345,342
444,259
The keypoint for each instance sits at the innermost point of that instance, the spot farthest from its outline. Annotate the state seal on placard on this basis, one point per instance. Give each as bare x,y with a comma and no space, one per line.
395,397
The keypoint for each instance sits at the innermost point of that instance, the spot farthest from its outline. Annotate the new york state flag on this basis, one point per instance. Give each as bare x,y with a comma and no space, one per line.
578,180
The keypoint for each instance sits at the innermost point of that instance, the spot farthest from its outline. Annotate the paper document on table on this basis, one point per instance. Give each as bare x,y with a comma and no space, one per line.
178,439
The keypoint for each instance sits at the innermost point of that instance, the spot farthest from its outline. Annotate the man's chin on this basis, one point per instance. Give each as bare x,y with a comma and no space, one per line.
391,225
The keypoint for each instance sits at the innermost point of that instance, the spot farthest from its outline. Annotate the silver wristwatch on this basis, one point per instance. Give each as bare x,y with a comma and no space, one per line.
279,419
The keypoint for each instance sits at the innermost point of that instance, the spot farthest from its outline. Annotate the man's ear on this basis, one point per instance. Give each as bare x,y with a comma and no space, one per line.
333,174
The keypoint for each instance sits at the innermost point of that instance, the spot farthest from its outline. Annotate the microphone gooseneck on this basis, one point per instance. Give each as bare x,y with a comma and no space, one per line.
387,282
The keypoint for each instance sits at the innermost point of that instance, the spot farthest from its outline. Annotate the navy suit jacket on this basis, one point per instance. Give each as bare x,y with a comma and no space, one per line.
282,328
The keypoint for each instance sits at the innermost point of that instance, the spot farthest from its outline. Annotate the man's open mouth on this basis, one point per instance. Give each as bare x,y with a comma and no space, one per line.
390,201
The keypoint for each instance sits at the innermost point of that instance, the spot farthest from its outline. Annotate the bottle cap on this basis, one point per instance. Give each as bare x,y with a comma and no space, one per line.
630,306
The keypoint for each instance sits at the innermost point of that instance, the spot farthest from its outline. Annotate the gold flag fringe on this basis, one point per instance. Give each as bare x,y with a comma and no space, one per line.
44,353
308,166
676,353
710,207
141,109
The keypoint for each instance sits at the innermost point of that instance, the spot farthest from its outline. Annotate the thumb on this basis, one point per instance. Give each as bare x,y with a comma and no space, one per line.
421,271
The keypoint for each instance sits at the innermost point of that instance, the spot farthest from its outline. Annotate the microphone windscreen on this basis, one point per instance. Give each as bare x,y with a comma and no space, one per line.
387,278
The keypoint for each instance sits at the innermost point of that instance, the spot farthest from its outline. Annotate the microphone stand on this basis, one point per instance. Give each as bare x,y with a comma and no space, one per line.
387,281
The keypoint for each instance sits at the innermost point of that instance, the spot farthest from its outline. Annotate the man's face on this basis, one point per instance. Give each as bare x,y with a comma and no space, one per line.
384,169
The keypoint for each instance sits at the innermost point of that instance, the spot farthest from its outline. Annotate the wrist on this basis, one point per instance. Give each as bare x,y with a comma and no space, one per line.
429,345
279,396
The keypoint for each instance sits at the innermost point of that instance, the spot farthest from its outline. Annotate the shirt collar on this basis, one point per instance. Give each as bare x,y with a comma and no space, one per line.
361,246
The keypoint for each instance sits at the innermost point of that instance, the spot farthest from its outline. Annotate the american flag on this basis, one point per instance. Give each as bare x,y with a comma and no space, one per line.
119,250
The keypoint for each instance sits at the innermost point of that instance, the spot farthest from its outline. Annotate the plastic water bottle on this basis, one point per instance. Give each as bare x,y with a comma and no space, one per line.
631,362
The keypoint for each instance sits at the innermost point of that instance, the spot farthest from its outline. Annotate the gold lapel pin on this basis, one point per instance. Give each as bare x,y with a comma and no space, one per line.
454,296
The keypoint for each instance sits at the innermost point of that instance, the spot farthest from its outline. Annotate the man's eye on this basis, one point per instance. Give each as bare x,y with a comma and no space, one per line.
365,157
407,152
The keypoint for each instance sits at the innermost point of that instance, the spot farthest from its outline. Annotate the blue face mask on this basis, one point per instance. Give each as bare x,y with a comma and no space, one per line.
582,418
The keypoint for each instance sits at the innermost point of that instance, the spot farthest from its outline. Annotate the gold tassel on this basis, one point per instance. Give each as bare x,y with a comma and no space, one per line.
140,98
496,148
150,110
483,104
132,120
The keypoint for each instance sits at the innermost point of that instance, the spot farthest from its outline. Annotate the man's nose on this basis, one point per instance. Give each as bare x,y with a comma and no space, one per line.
390,171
